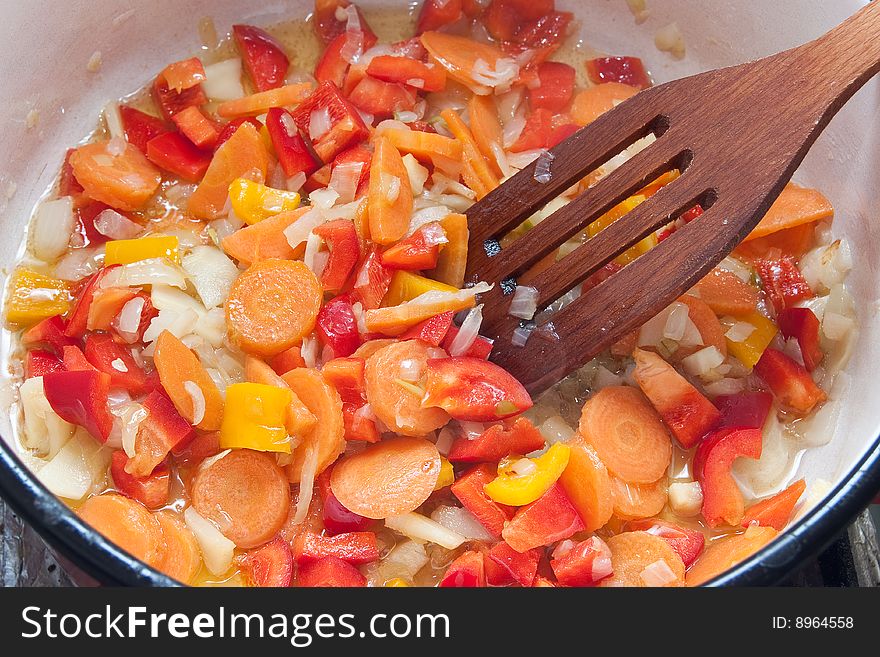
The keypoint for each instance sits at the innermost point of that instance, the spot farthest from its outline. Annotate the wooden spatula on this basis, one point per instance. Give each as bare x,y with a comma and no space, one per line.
735,134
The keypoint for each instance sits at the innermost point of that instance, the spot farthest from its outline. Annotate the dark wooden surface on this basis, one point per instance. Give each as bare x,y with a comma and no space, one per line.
736,134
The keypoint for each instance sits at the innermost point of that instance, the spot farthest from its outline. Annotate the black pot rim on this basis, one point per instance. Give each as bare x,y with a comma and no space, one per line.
108,564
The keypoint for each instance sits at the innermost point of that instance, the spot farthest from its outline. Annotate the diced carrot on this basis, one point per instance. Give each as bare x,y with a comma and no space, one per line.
300,419
627,434
588,485
727,294
486,129
126,523
394,320
632,552
390,195
264,239
424,146
634,501
105,306
388,478
262,102
459,56
273,305
287,360
794,241
707,324
398,406
125,181
475,169
243,154
591,103
328,434
775,511
726,552
246,493
684,409
178,365
181,559
452,261
795,206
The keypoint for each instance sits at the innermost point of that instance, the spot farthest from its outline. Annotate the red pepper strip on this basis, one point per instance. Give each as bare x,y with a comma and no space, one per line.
346,125
481,347
48,333
585,564
262,55
467,571
39,363
783,281
417,252
140,127
115,360
75,360
345,249
411,72
68,185
722,498
372,280
688,543
338,519
162,431
790,383
775,511
354,547
178,155
382,98
432,331
78,316
293,154
625,70
522,566
803,325
555,87
197,127
746,410
270,565
550,518
434,14
496,442
468,488
81,398
171,102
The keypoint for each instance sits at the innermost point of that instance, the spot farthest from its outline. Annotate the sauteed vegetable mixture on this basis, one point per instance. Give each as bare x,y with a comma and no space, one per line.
246,353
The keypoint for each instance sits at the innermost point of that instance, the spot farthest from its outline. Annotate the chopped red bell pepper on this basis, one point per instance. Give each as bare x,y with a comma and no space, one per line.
372,280
354,547
170,102
287,360
270,565
434,14
417,252
328,25
496,442
783,281
338,519
197,127
345,250
382,98
346,125
203,445
688,543
293,154
85,222
775,511
744,410
555,87
68,185
48,333
722,498
148,314
546,32
78,316
178,155
359,426
496,574
582,564
262,55
790,383
357,154
468,488
347,376
803,325
107,356
162,431
329,572
473,389
480,348
536,133
39,363
75,360
141,127
502,20
337,326
467,571
560,133
80,398
625,70
550,518
432,330
521,566
332,66
411,72
152,491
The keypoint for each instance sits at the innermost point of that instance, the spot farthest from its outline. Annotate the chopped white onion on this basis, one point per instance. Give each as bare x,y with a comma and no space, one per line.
658,573
223,80
403,561
128,321
462,522
298,232
523,467
391,185
468,333
113,119
360,316
523,159
427,215
555,429
212,274
76,468
444,441
44,431
319,123
703,361
686,498
116,226
676,322
309,351
499,76
520,335
323,199
217,550
51,228
198,400
836,326
353,47
344,180
670,39
524,302
79,263
306,483
410,370
416,173
153,271
295,182
736,267
472,430
739,331
542,167
420,528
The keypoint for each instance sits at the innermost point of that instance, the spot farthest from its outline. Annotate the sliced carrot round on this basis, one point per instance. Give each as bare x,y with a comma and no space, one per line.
627,434
125,181
706,321
395,401
181,558
178,366
245,493
388,478
726,552
592,103
588,485
633,552
273,305
636,501
328,433
126,523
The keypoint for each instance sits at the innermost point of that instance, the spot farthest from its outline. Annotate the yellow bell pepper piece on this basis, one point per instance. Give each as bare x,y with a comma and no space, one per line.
406,287
253,201
124,252
397,582
613,215
515,489
749,350
446,476
254,418
34,297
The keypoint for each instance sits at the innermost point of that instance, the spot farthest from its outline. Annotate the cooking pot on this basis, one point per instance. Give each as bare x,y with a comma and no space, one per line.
51,100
